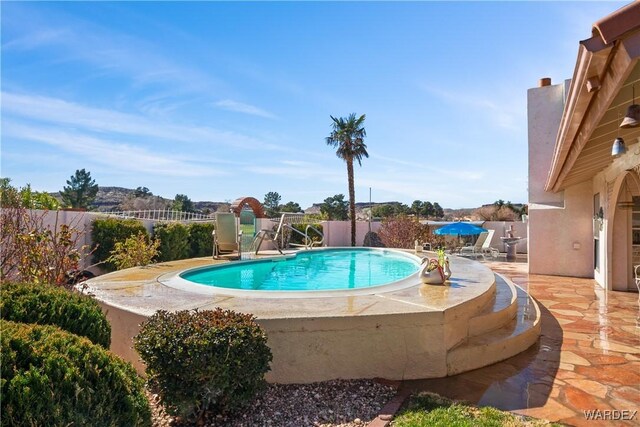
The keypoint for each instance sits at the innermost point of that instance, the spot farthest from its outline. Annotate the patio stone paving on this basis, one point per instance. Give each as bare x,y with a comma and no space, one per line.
587,358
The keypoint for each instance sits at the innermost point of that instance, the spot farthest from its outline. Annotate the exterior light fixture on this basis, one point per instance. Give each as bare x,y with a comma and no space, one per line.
632,118
618,148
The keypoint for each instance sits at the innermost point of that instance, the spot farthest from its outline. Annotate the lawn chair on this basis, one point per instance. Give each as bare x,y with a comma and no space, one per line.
486,248
227,236
475,249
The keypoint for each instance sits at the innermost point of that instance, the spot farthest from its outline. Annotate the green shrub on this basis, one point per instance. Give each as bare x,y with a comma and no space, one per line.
203,360
200,239
298,239
50,305
174,241
54,378
135,251
106,232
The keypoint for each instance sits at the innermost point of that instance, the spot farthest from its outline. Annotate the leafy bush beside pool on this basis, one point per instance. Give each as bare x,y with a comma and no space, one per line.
55,378
106,232
52,305
203,360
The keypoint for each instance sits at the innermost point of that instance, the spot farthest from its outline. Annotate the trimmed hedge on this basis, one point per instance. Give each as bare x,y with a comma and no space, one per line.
51,305
200,239
106,232
54,378
174,241
203,360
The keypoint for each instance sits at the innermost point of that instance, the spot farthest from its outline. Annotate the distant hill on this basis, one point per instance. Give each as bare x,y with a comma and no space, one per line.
111,199
123,199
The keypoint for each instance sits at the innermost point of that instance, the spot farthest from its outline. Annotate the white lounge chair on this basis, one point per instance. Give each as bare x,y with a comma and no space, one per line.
475,249
227,236
486,246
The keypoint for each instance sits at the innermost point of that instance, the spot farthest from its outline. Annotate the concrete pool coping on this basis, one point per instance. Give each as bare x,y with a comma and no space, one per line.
395,334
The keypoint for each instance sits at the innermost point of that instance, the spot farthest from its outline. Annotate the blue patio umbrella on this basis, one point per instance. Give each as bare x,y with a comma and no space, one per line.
460,229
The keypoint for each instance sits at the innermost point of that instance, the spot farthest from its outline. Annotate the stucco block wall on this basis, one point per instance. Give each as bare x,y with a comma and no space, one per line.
561,239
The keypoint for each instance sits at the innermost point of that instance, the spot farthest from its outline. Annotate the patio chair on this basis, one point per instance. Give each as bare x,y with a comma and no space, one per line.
227,236
486,248
475,249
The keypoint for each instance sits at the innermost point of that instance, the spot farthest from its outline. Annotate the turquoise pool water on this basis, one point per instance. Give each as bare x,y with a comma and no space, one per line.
331,269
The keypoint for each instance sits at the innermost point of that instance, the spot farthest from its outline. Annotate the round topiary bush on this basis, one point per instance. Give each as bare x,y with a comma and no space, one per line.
203,360
51,377
52,305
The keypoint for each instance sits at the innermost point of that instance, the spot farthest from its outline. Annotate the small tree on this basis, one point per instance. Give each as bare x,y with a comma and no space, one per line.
272,204
25,197
135,251
416,208
33,252
142,192
427,209
182,203
402,232
80,190
335,208
438,212
290,207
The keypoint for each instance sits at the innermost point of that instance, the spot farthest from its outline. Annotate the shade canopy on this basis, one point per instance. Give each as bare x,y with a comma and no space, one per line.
460,229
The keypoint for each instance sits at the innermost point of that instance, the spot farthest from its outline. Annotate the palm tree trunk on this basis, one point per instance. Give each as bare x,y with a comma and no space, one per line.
352,201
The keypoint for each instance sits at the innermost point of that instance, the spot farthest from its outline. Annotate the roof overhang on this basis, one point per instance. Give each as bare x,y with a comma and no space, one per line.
607,67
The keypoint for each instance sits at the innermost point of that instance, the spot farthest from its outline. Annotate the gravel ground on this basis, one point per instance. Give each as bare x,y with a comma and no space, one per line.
338,403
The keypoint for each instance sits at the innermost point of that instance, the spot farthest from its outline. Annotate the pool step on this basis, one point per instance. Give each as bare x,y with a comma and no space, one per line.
499,312
499,344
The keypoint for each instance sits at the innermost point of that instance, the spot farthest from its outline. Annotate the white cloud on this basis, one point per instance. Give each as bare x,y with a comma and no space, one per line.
116,53
239,107
64,113
297,169
36,39
501,112
109,153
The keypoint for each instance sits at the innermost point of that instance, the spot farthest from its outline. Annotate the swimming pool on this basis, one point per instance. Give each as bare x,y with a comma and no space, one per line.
335,269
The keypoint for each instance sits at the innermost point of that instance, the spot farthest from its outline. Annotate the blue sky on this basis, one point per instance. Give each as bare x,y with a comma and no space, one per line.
222,100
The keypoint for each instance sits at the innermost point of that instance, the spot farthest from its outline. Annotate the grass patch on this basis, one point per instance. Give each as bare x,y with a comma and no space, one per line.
248,229
429,409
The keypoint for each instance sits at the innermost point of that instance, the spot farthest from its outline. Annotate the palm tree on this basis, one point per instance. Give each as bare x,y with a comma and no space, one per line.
348,137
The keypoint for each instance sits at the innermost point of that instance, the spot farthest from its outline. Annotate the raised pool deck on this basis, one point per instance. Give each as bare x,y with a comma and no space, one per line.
419,331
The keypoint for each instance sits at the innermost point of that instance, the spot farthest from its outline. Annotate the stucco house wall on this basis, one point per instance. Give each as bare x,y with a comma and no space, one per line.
560,224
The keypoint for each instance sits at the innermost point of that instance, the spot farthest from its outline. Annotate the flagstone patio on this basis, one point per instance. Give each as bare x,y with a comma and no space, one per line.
587,358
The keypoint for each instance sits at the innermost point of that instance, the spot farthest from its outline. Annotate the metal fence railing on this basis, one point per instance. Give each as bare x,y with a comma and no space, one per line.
163,215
